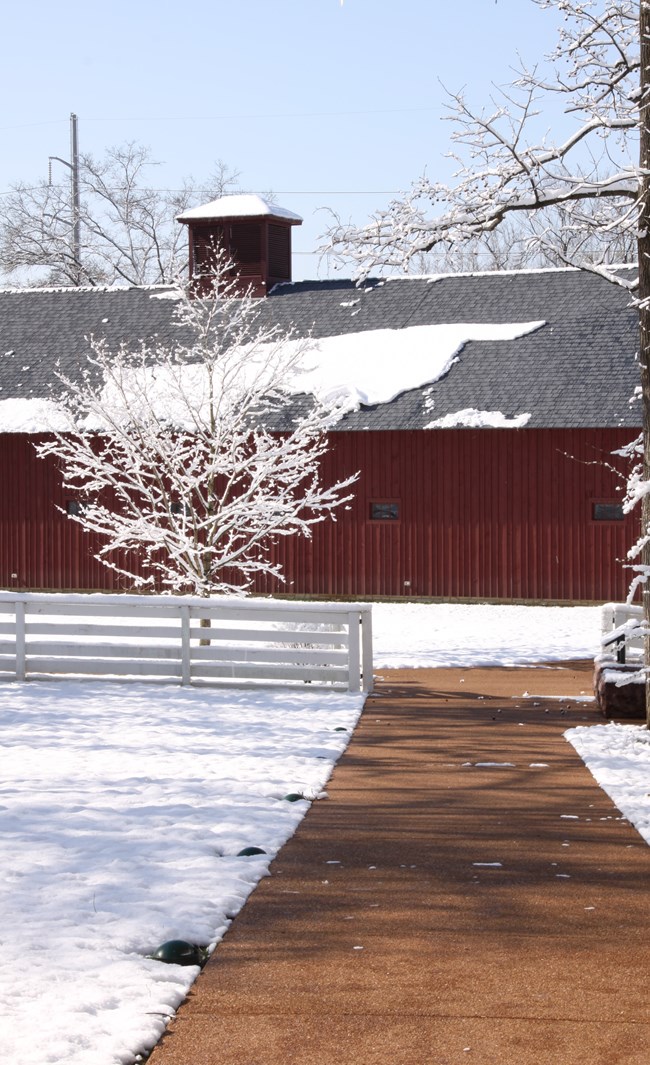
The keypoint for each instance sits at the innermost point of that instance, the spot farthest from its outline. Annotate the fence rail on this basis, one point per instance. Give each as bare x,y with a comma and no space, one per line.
622,631
186,640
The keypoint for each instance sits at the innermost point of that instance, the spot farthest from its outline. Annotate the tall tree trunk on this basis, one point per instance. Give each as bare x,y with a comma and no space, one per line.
206,623
644,305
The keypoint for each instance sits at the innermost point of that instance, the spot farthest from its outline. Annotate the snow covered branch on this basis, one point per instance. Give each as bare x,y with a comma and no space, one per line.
192,459
509,168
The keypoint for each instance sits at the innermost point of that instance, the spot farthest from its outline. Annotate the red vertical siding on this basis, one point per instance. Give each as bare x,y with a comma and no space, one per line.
484,514
488,514
39,546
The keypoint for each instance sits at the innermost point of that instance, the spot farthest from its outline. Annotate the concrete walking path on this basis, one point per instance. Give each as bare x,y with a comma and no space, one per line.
435,910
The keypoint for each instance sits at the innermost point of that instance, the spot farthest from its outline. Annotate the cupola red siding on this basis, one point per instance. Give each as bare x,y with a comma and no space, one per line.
254,234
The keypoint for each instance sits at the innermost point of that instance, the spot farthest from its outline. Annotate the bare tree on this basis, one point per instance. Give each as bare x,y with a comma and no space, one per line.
507,170
556,236
190,459
596,174
128,228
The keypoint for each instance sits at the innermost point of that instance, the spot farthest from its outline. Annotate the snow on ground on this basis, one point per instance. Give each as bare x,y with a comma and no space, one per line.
412,635
618,757
123,809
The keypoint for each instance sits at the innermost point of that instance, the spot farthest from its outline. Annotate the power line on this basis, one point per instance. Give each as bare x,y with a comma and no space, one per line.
31,125
271,114
228,117
276,192
334,192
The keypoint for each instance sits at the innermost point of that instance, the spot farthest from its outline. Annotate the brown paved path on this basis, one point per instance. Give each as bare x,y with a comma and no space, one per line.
408,952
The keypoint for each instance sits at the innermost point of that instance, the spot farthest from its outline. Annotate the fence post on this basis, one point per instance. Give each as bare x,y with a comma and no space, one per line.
354,664
20,640
186,659
366,653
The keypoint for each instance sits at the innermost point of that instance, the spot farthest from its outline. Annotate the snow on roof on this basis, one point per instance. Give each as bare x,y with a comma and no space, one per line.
349,371
238,206
470,418
519,271
31,416
82,290
377,365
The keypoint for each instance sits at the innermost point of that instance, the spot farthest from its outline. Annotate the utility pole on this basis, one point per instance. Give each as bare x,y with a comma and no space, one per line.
644,305
74,189
75,201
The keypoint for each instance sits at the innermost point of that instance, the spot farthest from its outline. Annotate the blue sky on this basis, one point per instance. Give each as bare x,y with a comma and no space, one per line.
328,104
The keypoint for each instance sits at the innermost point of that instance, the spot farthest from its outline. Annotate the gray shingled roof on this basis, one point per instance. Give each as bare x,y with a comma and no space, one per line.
579,370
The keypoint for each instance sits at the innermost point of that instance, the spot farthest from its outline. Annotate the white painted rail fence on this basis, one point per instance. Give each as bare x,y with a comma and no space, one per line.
622,631
167,638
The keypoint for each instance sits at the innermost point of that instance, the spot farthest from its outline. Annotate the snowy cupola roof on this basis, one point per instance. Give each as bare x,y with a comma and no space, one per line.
244,205
254,234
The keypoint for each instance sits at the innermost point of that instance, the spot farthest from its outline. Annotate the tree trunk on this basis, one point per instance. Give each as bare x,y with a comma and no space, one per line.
205,623
644,307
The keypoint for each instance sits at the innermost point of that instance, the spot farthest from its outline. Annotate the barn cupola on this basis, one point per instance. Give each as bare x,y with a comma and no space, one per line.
255,235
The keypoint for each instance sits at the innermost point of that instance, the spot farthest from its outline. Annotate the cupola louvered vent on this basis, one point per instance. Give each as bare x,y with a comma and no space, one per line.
280,252
205,241
246,243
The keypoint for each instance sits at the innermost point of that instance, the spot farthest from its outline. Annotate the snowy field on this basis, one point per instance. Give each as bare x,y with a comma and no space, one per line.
123,809
414,635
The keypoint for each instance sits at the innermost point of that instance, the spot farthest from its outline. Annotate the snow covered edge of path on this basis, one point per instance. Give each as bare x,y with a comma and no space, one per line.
618,757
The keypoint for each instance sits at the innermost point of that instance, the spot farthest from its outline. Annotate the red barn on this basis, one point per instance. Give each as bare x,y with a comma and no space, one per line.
487,472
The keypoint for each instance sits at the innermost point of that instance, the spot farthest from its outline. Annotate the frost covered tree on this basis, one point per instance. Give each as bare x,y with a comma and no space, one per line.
574,192
127,226
190,459
589,181
554,237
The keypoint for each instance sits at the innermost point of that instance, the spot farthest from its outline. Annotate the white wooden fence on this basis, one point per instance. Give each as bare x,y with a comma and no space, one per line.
622,631
168,638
